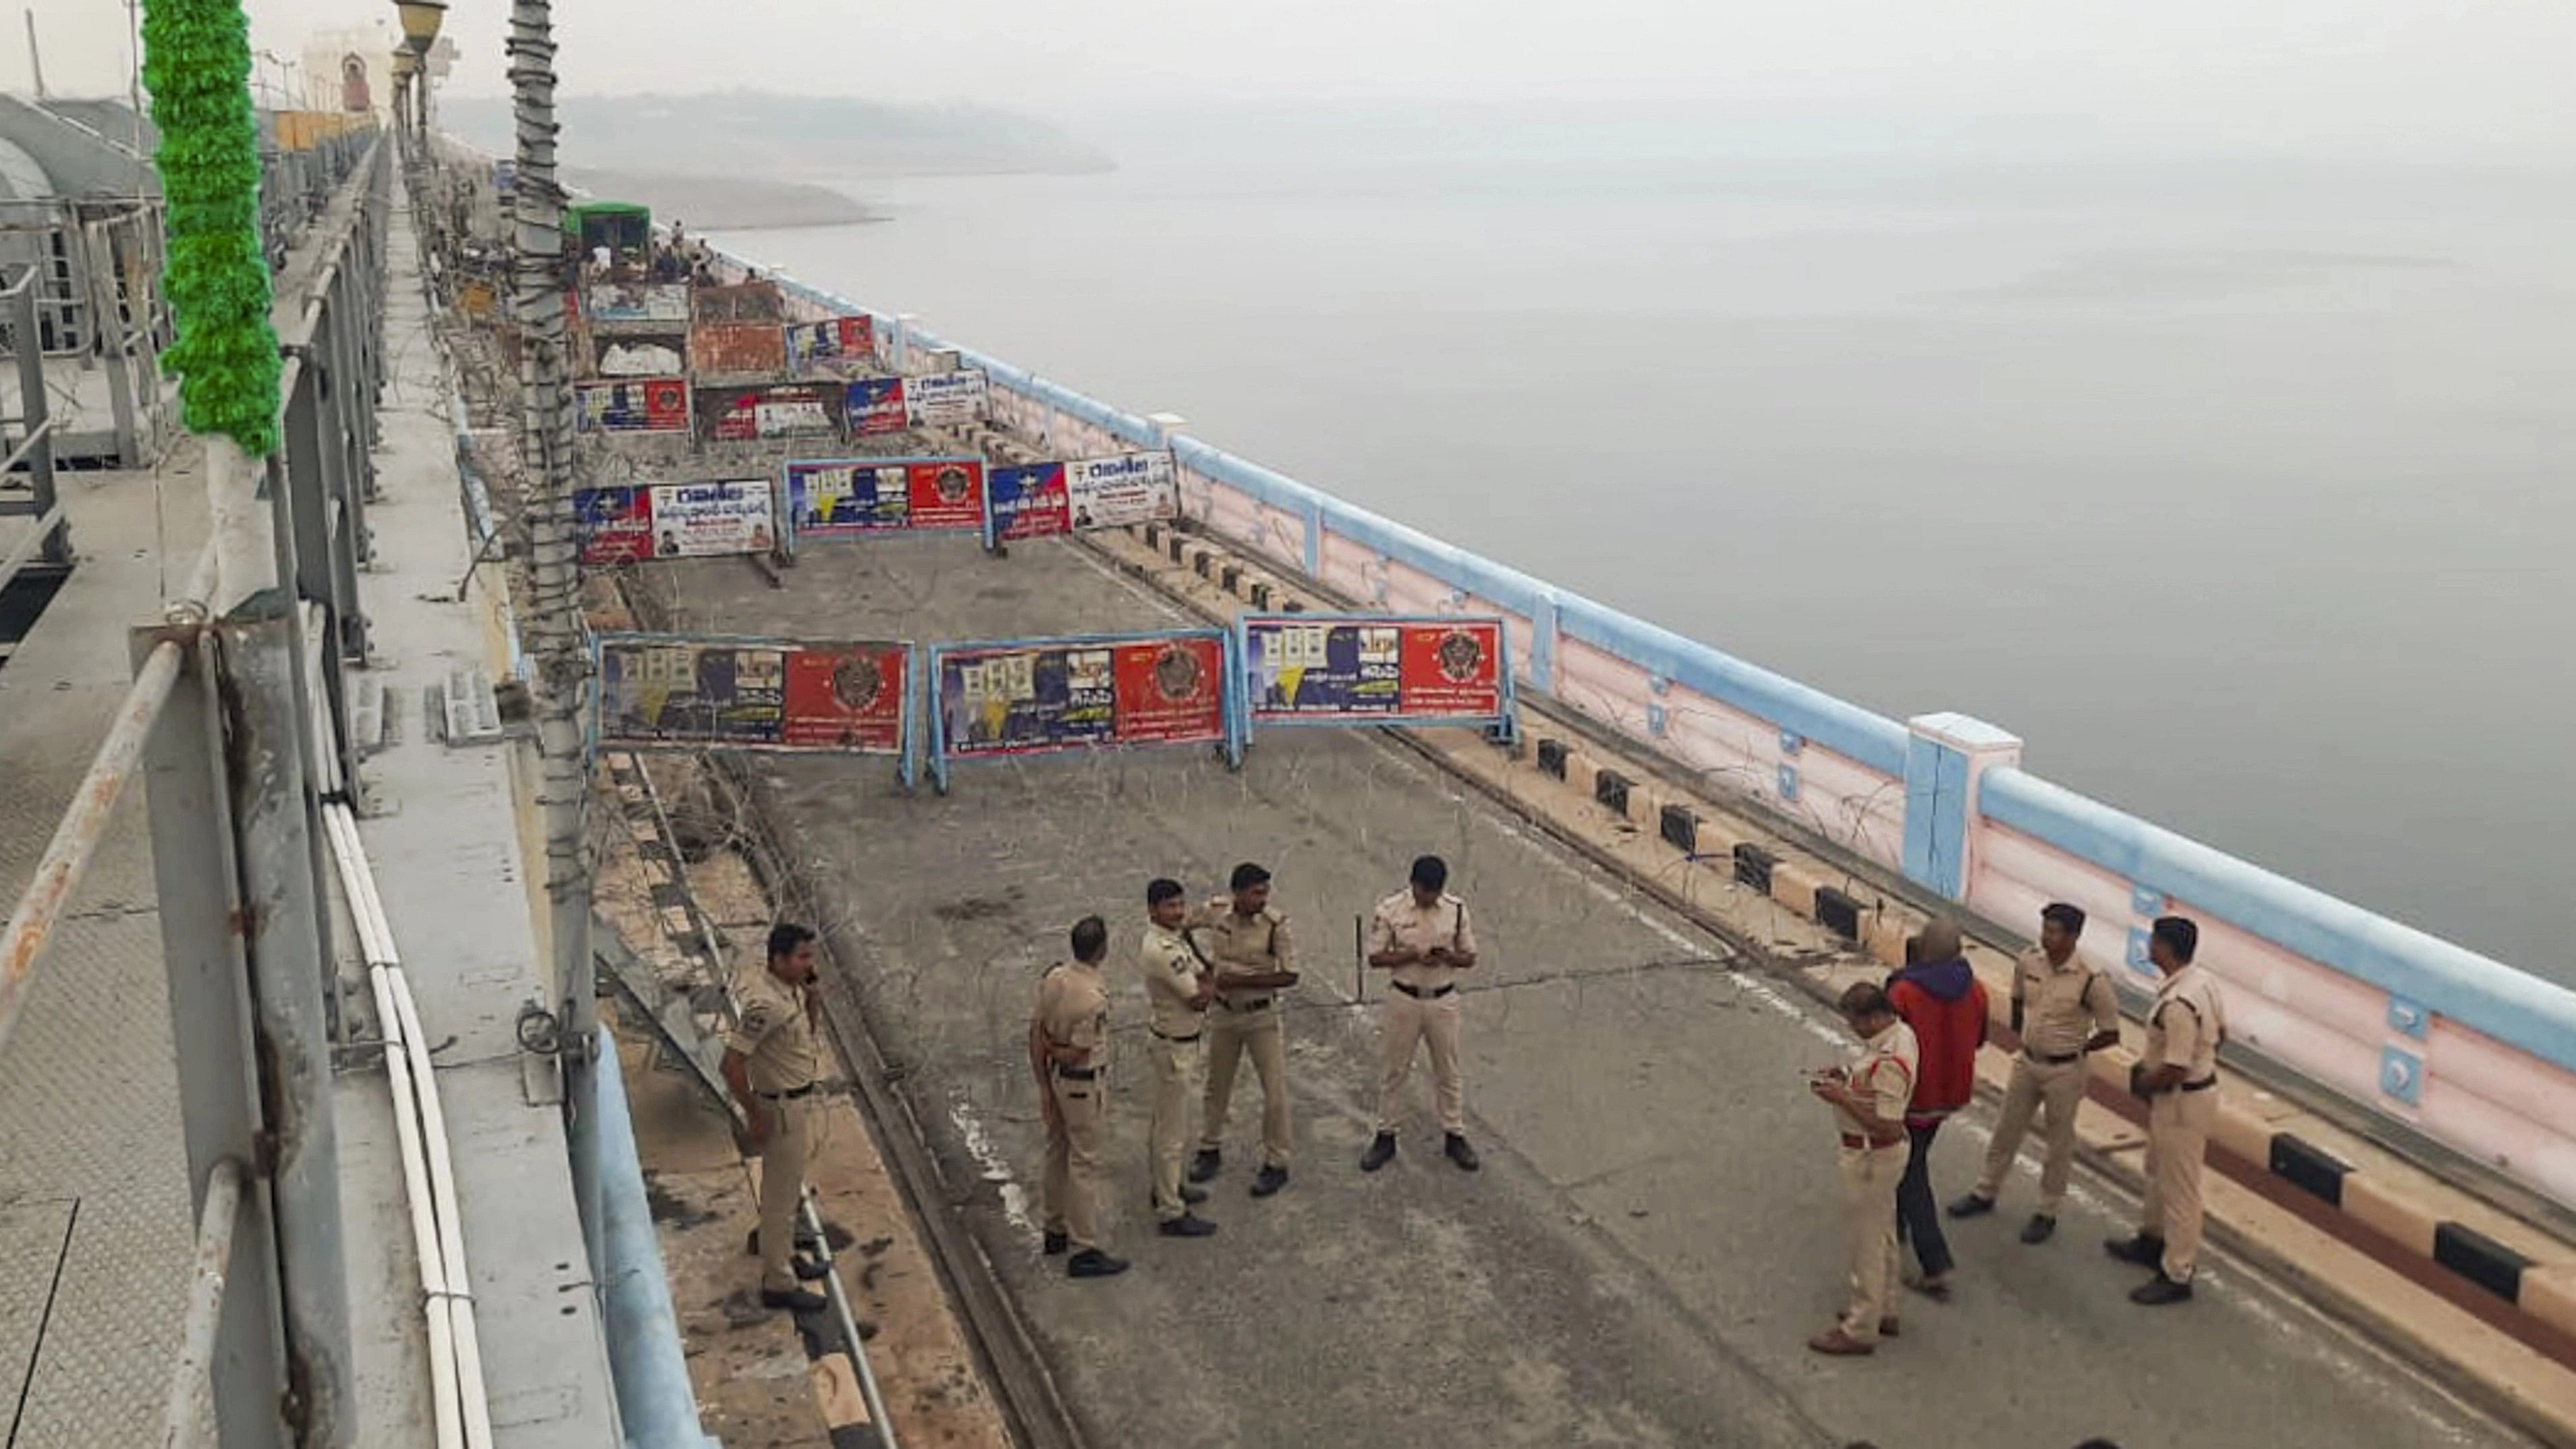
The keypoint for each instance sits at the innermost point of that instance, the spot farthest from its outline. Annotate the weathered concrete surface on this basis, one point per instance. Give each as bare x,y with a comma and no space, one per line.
1654,1234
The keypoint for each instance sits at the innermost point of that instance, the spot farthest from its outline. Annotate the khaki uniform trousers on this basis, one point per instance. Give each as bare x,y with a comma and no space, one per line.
782,1183
1177,1065
1404,1023
2059,1089
2177,1135
1870,1176
1230,1036
1072,1178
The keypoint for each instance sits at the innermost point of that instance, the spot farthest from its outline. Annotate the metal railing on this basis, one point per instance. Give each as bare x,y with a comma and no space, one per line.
219,720
34,425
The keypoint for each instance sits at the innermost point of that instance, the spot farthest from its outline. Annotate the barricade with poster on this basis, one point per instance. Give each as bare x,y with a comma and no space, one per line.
631,523
834,349
1104,691
633,405
1376,669
770,412
714,692
858,497
1078,496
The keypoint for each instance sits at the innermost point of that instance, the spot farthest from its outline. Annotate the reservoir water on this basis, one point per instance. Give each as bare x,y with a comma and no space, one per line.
2244,491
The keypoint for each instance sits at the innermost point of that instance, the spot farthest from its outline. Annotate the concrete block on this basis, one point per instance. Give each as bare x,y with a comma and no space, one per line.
2377,1204
1580,771
1794,884
1883,933
2243,1133
2549,1294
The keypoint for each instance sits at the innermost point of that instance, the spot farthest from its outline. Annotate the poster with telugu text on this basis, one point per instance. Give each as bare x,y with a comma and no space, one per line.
635,405
1302,668
678,690
1081,693
847,497
876,408
834,349
945,399
778,410
675,520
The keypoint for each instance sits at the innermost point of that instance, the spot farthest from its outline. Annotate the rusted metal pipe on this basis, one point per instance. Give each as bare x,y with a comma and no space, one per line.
192,1384
31,925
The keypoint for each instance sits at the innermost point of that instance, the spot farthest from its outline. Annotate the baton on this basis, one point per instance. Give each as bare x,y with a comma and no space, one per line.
1359,961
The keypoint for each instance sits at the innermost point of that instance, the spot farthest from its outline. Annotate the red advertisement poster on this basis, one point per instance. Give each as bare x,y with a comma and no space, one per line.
616,525
1170,690
1453,669
846,697
946,494
635,405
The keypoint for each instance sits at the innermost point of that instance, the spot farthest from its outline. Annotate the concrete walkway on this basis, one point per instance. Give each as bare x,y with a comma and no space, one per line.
1654,1234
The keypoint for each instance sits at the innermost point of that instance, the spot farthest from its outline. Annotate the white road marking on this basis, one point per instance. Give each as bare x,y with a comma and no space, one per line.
997,1170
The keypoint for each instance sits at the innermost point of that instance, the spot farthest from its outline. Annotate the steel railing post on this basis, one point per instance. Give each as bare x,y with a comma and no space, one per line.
34,411
197,884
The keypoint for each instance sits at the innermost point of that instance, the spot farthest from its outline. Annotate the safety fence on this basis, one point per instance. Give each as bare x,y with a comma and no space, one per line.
2458,1048
221,720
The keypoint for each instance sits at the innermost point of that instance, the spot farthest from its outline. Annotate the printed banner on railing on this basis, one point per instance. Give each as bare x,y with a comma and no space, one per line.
877,408
1373,669
1087,493
737,349
833,349
847,497
779,410
945,399
763,694
1037,696
675,520
665,304
635,405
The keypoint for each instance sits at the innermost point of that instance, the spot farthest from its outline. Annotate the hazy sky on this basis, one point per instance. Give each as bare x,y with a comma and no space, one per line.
2396,75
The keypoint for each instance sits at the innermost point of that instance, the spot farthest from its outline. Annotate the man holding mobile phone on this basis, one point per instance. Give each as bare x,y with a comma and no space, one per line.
1421,935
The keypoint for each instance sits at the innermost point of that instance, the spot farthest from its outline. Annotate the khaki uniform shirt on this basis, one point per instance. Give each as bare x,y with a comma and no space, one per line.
1171,979
2186,1024
1237,945
2062,1006
1073,1010
1883,1074
775,1035
1400,922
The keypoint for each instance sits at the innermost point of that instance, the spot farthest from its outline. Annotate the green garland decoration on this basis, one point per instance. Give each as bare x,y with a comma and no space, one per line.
196,60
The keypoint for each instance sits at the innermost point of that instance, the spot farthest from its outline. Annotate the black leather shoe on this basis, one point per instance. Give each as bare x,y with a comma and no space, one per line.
1204,1166
1462,1154
1381,1151
807,1270
1193,1195
1093,1263
1056,1243
1269,1180
2160,1290
794,1299
2140,1249
1972,1206
2039,1229
1187,1225
805,1242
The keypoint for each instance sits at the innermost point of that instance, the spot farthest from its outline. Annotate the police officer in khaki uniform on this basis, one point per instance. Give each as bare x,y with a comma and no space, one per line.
771,1063
1069,1056
1869,1098
1421,934
1248,944
2178,1077
1178,992
2063,1010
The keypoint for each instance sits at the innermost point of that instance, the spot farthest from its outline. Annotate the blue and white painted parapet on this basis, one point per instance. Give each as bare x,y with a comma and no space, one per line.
2465,1049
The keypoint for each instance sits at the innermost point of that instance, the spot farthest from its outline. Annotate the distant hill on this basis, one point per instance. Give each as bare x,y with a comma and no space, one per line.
788,138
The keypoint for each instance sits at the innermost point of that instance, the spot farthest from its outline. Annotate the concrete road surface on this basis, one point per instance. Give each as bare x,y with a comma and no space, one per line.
1655,1233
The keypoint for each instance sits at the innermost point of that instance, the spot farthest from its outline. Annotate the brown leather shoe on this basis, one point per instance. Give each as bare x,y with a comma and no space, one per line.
1838,1344
1887,1327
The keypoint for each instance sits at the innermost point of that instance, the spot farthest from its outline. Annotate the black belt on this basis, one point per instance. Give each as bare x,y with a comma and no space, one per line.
1077,1074
2203,1085
1418,994
1244,1006
2044,1059
1167,1036
792,1093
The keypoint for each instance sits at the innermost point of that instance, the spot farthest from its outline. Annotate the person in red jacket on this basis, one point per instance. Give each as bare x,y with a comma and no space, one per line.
1939,996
